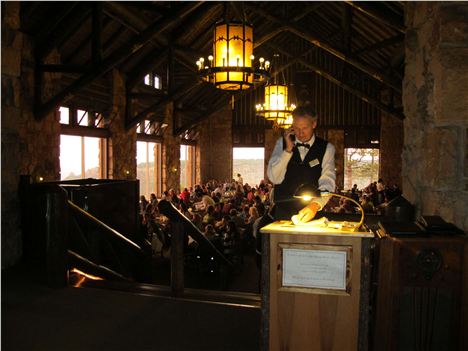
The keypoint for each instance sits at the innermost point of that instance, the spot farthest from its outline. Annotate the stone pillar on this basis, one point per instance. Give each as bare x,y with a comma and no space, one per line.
271,136
29,147
215,146
171,153
336,137
435,99
122,142
391,148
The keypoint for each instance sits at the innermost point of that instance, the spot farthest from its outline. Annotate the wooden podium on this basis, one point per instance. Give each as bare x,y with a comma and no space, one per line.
315,288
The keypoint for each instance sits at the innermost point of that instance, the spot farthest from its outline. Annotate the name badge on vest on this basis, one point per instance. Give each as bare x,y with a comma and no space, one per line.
314,163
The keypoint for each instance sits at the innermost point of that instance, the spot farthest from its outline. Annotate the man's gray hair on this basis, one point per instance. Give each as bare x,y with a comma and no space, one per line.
304,111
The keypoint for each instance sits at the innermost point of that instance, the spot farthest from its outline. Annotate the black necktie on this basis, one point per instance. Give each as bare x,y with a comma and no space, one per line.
307,146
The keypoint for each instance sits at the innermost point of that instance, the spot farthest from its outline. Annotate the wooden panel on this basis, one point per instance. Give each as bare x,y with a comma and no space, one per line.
421,296
300,321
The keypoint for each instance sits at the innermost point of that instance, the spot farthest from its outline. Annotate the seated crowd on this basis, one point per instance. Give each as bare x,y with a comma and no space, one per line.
228,212
224,211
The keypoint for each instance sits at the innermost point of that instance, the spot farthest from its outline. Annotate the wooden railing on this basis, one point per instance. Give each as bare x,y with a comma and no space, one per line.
182,226
74,238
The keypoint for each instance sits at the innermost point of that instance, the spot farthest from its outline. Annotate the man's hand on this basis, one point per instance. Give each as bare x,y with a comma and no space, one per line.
308,213
287,139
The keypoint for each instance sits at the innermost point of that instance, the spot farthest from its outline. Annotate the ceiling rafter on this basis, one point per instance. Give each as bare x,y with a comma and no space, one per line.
304,12
155,58
363,96
376,12
373,72
67,26
174,96
397,39
114,59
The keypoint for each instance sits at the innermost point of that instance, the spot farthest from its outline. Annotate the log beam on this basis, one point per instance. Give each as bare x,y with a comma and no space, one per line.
354,91
113,60
177,94
291,27
376,12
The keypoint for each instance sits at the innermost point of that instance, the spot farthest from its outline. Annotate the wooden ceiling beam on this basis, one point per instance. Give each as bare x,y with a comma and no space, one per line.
177,94
68,26
149,64
113,60
397,39
376,12
84,42
216,108
309,8
268,36
96,40
347,28
237,97
318,70
154,59
363,96
191,22
134,22
130,19
49,23
362,66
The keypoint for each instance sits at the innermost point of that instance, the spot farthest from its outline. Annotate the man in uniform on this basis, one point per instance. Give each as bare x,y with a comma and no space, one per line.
300,158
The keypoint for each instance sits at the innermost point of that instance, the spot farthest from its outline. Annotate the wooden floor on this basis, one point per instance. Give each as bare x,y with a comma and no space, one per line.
35,317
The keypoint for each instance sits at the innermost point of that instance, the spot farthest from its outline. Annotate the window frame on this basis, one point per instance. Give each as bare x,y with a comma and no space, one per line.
73,128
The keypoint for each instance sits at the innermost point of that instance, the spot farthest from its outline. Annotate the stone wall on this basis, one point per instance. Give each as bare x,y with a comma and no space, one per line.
391,148
171,153
29,147
122,142
215,146
435,99
336,137
271,136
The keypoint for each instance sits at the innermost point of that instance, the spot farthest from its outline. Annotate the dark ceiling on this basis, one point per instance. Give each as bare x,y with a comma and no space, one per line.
362,44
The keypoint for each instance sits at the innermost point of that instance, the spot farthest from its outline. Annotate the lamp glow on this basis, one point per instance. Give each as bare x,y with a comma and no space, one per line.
306,192
276,106
232,63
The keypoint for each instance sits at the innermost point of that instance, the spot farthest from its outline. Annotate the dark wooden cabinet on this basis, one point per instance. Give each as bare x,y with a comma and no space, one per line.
422,293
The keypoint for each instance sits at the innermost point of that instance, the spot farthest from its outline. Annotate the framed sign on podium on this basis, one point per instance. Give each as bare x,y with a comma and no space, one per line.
315,288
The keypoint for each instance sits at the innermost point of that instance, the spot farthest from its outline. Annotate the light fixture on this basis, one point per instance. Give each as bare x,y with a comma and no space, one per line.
231,66
308,192
277,106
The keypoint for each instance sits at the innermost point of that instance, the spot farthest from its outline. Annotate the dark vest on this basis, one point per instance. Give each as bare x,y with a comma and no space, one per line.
298,172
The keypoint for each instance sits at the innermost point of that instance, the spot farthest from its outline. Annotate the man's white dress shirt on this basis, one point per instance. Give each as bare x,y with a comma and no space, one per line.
279,162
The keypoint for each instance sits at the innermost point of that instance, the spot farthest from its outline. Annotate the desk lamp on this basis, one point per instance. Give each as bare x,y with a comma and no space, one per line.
307,192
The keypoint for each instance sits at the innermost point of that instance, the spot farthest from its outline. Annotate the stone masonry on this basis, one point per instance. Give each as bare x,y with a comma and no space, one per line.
391,147
29,147
435,98
336,137
215,146
122,142
171,153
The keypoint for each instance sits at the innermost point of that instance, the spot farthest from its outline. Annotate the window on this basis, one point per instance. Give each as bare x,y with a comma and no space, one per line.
250,163
153,80
187,166
149,167
81,157
82,154
361,167
82,118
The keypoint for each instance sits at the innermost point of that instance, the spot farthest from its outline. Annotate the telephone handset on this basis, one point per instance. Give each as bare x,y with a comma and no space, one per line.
292,137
